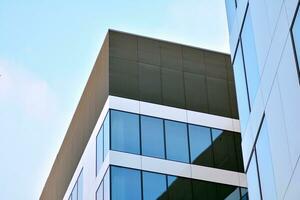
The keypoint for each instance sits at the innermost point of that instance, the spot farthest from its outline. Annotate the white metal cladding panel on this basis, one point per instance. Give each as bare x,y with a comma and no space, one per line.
171,113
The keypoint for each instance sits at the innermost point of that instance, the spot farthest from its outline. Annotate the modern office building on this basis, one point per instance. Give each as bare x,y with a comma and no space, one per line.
157,120
265,46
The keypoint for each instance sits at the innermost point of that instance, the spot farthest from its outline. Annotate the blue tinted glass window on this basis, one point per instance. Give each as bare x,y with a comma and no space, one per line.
154,186
106,185
265,166
176,141
99,149
225,156
200,145
74,192
296,35
106,134
230,9
126,184
99,193
241,88
125,129
250,58
252,178
152,133
80,186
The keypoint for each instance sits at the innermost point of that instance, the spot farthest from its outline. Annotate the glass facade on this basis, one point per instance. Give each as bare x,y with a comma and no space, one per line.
152,133
126,184
260,173
296,37
200,145
154,185
103,191
231,9
77,191
250,57
177,141
253,179
125,128
265,166
102,142
137,185
171,140
241,87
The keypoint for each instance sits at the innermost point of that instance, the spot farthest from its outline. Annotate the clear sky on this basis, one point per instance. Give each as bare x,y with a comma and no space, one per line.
47,50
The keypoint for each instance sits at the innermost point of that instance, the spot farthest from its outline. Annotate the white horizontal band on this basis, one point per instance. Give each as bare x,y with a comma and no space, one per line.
177,114
172,168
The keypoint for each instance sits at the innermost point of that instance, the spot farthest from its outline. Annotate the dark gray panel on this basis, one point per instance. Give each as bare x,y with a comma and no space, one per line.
172,87
216,70
195,92
171,56
150,83
122,45
233,100
148,51
218,97
193,60
123,78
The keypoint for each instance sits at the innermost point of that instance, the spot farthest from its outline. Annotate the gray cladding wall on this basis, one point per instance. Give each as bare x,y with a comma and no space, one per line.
171,74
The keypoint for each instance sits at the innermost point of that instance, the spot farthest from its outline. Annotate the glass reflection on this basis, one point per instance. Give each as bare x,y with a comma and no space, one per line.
126,184
200,145
154,186
296,36
241,88
177,141
125,132
152,133
250,58
265,166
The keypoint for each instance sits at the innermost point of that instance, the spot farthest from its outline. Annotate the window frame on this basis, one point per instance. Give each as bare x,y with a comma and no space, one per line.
293,41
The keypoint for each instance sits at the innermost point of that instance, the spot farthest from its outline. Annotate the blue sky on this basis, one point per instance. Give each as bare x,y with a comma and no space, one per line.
47,50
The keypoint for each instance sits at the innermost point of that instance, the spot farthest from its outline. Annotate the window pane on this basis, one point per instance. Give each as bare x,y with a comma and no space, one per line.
224,150
74,192
152,137
106,186
228,192
80,186
126,184
125,132
230,9
265,165
99,193
241,88
154,186
200,145
179,188
296,35
251,65
177,141
99,149
204,190
252,178
106,134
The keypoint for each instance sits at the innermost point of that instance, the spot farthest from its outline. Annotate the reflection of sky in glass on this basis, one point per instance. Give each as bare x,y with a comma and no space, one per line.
250,58
296,35
241,88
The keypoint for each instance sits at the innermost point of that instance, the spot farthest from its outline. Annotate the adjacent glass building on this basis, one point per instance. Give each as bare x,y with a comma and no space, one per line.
157,120
265,46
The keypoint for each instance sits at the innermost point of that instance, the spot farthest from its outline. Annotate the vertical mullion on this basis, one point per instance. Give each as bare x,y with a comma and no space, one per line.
258,175
245,73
